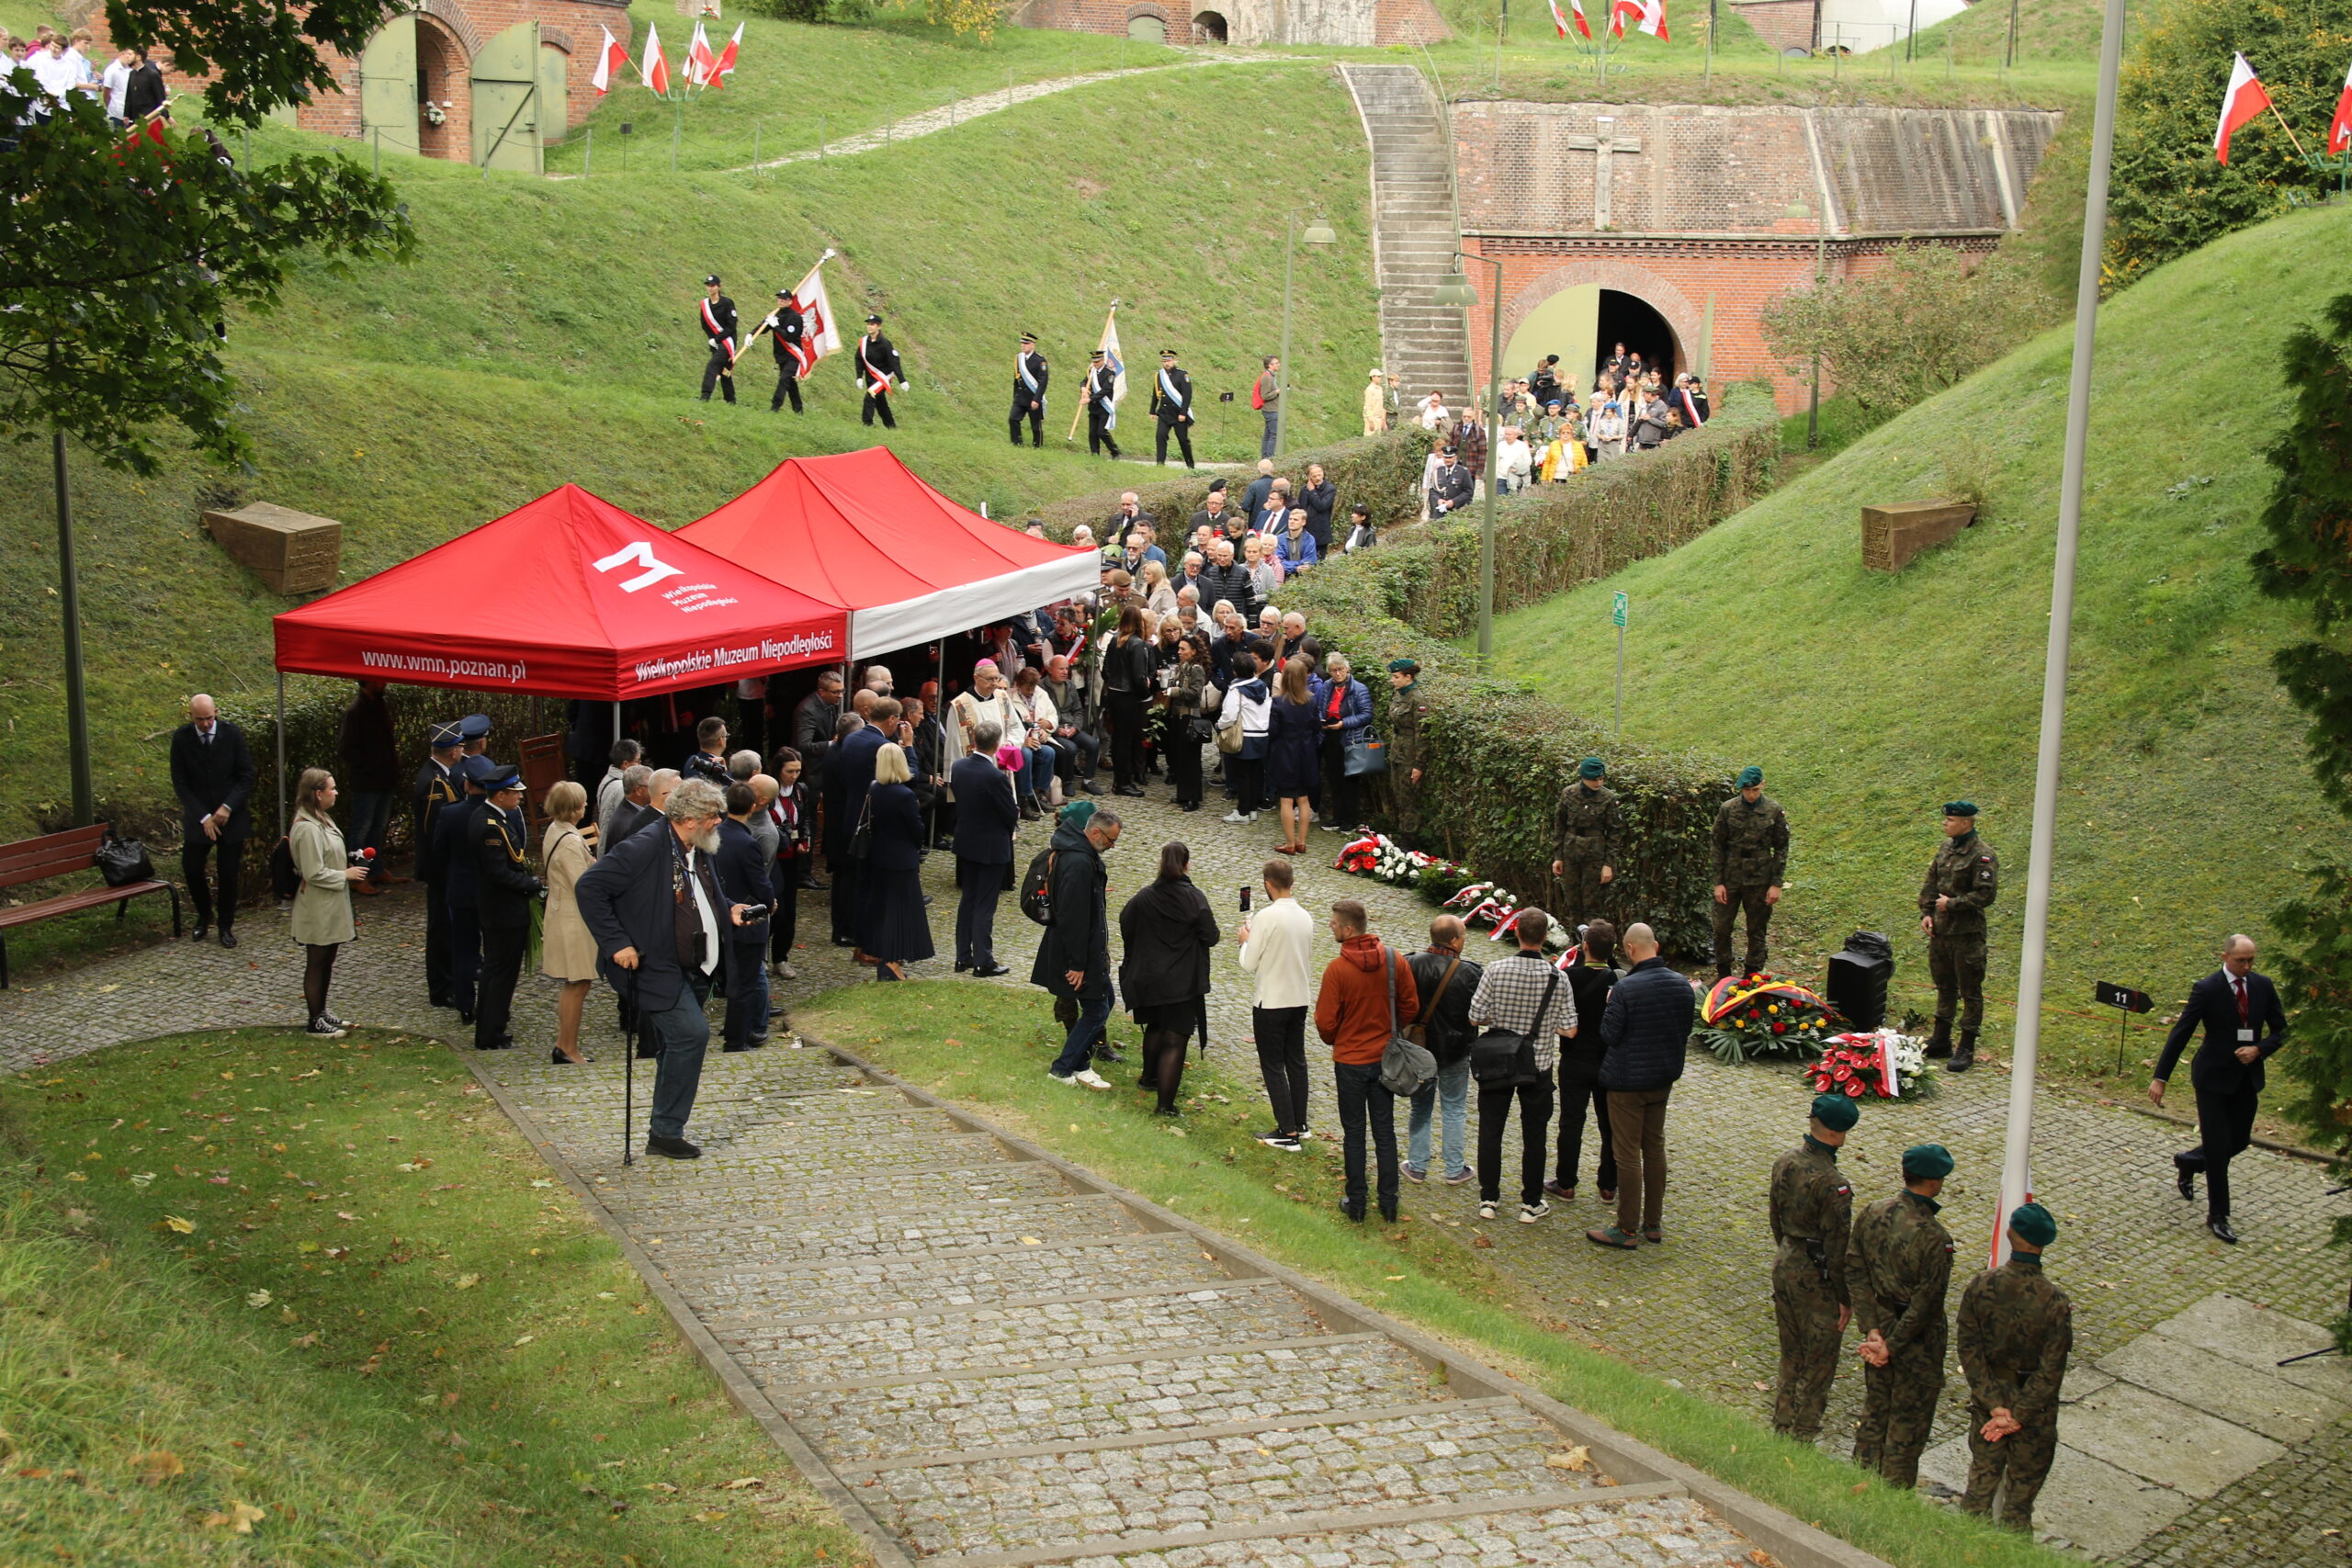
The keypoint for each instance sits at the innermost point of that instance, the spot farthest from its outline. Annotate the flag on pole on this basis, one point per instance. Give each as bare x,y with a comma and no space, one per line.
699,60
2339,130
1118,364
655,69
1653,20
611,60
725,63
820,334
1560,23
2242,100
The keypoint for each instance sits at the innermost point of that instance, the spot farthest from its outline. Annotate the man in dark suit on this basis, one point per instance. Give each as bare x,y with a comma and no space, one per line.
986,818
743,872
503,891
2244,1027
654,905
212,773
438,785
849,774
452,853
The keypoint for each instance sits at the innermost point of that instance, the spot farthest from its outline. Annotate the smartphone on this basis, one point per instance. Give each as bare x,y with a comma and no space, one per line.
1244,901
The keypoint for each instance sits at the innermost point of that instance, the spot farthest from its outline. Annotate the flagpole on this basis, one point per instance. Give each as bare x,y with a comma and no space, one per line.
2290,129
2016,1155
1079,412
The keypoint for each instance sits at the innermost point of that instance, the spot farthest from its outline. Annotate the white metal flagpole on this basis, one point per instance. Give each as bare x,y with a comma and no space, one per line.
2017,1155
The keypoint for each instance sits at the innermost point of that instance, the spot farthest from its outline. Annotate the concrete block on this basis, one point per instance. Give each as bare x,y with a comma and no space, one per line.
2087,1501
292,552
1893,537
2220,1386
2259,1338
2164,1441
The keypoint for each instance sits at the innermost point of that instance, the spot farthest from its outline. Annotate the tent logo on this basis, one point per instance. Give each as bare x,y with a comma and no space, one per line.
639,554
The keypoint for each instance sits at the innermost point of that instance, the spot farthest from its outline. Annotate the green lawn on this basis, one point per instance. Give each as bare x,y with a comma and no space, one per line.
1868,699
987,1048
264,1299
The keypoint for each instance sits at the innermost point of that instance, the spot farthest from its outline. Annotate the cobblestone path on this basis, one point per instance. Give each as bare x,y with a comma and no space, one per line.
1696,1311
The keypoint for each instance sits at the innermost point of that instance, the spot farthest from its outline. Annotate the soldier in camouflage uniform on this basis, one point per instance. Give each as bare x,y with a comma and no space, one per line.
1962,882
1898,1267
1751,854
1591,826
1405,711
1811,1210
2016,1329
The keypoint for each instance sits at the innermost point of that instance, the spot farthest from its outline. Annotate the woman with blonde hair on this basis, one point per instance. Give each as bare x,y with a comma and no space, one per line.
323,919
1158,596
892,926
567,951
1294,746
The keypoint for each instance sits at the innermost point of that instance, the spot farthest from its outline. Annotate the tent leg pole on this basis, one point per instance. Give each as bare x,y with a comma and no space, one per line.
616,724
281,753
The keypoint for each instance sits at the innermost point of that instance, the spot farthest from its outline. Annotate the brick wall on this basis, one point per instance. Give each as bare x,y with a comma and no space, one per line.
452,31
1783,24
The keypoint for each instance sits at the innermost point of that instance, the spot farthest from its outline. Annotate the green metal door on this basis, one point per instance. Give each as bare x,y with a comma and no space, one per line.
388,86
553,98
506,101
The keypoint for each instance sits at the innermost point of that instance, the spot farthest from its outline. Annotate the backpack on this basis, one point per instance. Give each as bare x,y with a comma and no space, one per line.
1405,1066
283,880
1038,888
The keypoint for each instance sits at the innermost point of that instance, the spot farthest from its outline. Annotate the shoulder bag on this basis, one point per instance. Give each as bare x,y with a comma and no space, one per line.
860,838
1405,1066
1361,759
1500,1058
122,860
1419,1031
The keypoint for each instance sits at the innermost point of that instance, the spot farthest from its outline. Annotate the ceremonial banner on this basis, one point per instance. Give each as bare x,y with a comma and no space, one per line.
820,334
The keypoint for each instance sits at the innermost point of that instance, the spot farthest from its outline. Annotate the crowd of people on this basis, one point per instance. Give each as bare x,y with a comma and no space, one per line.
130,85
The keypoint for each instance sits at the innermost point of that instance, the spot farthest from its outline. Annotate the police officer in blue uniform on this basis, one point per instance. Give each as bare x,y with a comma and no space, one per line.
1029,377
437,785
503,891
453,839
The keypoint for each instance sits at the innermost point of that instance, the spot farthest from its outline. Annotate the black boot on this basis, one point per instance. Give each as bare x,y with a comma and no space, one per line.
1965,1057
1940,1043
1352,1208
1388,1210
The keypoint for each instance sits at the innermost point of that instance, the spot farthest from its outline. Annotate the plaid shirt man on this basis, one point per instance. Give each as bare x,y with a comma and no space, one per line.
1511,990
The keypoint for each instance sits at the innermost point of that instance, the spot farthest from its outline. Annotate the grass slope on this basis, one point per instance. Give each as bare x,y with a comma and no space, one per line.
546,336
1869,699
386,1332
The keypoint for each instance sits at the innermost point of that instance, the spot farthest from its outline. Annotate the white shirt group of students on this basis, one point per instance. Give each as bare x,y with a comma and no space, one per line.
69,71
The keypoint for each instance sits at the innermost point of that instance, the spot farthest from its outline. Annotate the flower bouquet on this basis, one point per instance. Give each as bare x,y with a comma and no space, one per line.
1882,1064
1383,860
1762,1015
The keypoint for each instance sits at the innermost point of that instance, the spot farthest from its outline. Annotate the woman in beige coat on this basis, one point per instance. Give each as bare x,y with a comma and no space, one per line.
567,953
323,900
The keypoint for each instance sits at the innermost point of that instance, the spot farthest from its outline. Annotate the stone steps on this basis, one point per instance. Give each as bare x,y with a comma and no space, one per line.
1414,232
920,1237
956,1182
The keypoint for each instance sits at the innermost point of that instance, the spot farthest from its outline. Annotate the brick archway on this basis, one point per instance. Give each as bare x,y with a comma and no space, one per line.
1684,319
452,17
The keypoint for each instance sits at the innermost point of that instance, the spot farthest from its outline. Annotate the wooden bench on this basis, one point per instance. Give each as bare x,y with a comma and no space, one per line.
62,855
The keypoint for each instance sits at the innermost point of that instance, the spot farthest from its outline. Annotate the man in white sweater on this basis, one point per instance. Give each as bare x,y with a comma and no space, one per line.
1274,948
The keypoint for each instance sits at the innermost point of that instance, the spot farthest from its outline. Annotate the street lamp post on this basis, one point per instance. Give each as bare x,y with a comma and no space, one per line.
1319,234
1456,291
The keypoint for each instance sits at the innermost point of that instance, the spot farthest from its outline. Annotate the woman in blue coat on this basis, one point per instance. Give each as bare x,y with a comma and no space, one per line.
892,926
1343,710
1291,753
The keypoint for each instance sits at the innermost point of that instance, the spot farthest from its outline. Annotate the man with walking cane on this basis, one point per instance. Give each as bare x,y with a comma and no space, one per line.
654,905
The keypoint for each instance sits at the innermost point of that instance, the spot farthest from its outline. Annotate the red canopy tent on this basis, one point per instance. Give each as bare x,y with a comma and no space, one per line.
566,597
861,531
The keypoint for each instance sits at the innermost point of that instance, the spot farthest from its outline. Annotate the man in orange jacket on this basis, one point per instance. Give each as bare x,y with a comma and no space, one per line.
1354,1016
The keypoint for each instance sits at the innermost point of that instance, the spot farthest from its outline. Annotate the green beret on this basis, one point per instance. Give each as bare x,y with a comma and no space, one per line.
1927,1162
1836,1112
1960,808
1404,667
1591,767
1750,775
2033,1224
1077,812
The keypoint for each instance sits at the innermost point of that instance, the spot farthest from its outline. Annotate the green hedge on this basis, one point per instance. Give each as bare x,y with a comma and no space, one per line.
1497,755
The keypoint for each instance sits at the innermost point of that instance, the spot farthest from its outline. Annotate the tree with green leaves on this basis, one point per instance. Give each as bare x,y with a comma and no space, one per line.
2309,560
123,257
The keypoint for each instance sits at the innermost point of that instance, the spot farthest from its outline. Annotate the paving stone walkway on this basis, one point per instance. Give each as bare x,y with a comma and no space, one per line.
1696,1311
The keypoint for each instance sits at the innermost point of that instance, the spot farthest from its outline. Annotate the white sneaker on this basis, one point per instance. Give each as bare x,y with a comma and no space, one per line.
1091,1078
1531,1212
1067,1080
1238,817
784,972
1486,1210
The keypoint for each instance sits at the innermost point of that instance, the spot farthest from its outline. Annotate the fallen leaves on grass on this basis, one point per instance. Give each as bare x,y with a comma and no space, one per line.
157,1465
1576,1457
465,1282
184,1227
710,1516
240,1518
742,1483
258,1299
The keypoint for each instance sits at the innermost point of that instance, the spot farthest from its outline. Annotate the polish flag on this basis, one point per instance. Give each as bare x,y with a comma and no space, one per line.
2240,101
699,59
611,60
1653,20
1560,23
726,57
2339,130
655,69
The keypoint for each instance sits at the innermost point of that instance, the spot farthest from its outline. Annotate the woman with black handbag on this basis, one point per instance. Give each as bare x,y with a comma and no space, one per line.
1126,686
1345,708
1188,728
1166,935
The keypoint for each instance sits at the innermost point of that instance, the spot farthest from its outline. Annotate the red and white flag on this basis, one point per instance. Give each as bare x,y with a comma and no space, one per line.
1560,23
820,334
655,69
2240,101
2339,130
1653,20
726,57
699,60
611,60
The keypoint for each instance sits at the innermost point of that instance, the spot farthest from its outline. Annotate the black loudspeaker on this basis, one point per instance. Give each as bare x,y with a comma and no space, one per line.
1857,980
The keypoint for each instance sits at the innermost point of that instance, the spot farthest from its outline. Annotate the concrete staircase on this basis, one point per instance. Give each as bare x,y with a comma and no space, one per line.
1414,231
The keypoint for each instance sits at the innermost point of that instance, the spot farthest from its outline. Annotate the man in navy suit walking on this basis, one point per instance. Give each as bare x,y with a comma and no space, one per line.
986,817
2244,1027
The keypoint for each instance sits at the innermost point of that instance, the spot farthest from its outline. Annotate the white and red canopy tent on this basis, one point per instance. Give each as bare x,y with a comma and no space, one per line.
861,531
566,597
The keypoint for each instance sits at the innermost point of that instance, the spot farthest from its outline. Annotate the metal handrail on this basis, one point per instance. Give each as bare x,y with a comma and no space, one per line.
1452,190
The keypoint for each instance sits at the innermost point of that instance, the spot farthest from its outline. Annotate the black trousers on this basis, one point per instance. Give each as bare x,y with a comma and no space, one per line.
784,926
1125,710
1033,410
1363,1101
231,853
1097,430
844,870
1339,788
1534,1128
502,968
1184,765
1574,1098
1281,1036
2225,1123
877,404
720,361
465,956
747,995
976,912
1248,777
1183,434
437,946
787,385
